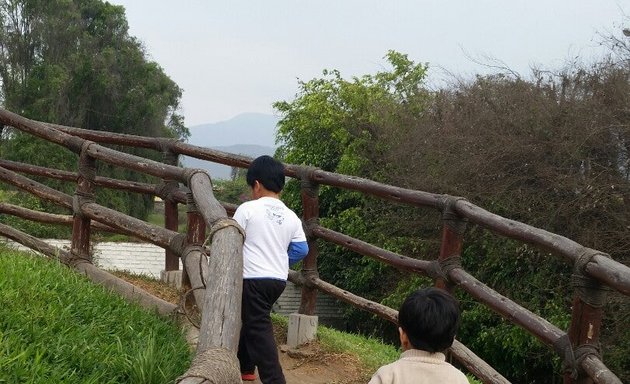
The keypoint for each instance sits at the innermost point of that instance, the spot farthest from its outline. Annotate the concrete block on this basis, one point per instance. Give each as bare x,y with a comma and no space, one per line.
172,278
302,329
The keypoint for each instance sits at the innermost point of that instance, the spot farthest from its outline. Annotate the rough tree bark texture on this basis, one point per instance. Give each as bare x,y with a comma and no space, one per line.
216,360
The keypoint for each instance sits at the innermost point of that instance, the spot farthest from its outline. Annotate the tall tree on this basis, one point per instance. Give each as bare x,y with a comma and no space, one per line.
73,62
335,124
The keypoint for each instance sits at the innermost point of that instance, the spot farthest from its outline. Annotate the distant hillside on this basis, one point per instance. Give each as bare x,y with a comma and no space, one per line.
246,128
248,134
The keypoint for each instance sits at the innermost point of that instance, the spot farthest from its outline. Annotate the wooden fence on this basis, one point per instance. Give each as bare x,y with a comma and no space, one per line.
594,272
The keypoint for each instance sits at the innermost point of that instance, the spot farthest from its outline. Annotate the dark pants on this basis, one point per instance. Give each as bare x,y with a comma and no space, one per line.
257,346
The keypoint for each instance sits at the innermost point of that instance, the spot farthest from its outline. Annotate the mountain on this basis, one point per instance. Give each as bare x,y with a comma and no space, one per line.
220,171
246,128
248,134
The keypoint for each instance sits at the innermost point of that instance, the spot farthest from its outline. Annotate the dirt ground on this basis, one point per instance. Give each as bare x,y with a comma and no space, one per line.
308,364
311,365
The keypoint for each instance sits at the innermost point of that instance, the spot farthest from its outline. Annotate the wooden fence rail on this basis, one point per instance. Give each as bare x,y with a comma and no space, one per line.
577,346
221,313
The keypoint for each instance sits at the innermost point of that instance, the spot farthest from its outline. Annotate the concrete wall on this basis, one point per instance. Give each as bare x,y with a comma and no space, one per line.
138,258
327,308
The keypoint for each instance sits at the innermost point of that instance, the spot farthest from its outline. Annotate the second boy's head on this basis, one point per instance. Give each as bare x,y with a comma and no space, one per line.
428,320
267,171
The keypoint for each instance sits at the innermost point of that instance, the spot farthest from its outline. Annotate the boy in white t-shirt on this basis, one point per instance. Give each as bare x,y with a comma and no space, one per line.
274,239
428,320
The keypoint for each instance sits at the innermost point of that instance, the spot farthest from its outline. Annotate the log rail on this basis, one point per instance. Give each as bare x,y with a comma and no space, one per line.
221,307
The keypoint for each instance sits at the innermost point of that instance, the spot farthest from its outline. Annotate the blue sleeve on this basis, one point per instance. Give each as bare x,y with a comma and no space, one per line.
297,251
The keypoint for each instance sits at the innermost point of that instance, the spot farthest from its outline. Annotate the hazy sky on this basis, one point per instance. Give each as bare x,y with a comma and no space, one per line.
239,56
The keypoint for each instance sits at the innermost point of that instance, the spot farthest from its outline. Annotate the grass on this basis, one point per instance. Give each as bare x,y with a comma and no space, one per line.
371,352
58,327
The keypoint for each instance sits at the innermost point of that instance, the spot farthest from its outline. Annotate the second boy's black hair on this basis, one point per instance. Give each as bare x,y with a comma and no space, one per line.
268,171
430,318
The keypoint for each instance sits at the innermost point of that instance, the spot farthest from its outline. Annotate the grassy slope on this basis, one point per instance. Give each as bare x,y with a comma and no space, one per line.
57,327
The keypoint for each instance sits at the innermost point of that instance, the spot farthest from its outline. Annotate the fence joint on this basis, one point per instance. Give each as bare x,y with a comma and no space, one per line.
74,143
440,269
309,225
166,190
450,217
178,243
573,358
305,174
308,275
165,145
202,251
222,223
590,290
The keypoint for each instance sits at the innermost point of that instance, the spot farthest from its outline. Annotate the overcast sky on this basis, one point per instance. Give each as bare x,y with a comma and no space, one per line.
236,56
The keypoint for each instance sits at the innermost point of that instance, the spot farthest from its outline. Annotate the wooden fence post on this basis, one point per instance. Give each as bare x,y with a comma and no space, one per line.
196,224
453,229
586,318
195,236
80,244
171,214
310,207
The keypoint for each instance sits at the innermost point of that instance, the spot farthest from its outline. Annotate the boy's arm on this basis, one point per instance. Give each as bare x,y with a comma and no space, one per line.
297,251
298,247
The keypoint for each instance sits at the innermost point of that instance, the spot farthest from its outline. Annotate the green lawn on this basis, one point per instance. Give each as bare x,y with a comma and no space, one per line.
58,327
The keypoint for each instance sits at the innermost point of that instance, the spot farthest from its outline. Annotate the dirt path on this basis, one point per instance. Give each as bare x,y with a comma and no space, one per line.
311,365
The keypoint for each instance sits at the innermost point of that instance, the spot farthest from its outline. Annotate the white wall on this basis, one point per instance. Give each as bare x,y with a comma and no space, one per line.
140,258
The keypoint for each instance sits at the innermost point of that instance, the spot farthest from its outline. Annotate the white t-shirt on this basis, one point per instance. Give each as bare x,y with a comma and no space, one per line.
269,229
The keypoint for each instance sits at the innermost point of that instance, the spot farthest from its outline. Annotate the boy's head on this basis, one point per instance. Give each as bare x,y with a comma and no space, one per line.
428,319
268,171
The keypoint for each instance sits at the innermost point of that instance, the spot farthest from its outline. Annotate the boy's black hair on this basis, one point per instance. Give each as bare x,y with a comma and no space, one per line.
430,318
268,171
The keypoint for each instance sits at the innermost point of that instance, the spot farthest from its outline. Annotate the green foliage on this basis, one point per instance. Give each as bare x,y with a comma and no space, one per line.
74,63
404,288
233,191
551,152
332,121
501,343
57,327
335,124
515,270
45,231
